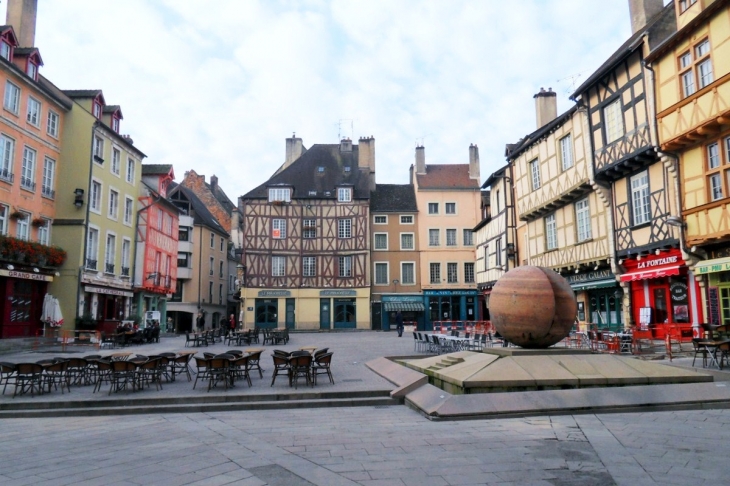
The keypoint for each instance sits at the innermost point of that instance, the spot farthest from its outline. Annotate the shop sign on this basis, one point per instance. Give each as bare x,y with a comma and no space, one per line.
107,291
274,293
713,266
26,275
337,293
402,298
678,291
450,292
590,276
658,261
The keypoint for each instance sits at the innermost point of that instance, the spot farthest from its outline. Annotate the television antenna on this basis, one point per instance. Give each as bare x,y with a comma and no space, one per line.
573,81
339,128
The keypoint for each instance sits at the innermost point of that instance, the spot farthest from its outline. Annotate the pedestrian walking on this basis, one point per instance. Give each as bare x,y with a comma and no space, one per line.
200,321
399,323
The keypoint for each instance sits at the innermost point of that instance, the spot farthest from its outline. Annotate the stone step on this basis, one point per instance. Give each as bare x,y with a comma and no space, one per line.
228,406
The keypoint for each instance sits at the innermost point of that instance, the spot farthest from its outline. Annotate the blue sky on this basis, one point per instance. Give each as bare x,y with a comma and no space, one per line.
216,86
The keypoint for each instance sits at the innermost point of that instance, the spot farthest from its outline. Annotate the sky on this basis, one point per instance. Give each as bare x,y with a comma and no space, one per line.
218,85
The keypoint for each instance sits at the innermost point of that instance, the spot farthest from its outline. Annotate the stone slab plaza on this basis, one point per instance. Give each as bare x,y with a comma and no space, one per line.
369,445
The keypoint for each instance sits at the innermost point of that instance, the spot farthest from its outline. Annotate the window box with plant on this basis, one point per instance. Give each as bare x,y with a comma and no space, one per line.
17,215
19,251
38,222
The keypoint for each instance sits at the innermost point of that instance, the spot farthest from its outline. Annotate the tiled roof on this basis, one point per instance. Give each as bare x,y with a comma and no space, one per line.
513,150
81,93
305,176
112,109
156,169
393,198
201,215
222,198
497,173
446,176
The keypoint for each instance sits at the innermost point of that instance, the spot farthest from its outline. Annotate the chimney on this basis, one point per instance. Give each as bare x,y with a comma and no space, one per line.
345,145
546,106
474,162
21,14
642,11
294,149
366,158
213,183
420,159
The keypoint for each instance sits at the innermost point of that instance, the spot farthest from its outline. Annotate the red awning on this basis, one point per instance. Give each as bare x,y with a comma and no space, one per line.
646,274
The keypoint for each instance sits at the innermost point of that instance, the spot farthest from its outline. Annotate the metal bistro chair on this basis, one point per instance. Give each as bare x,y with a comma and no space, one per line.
254,363
28,378
7,373
123,374
55,375
218,371
281,365
180,365
321,366
239,368
301,366
203,366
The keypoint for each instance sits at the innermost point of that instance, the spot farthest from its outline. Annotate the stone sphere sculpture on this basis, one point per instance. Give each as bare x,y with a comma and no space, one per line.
532,307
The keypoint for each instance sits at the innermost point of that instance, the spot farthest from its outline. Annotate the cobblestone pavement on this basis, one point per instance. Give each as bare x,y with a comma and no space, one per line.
368,446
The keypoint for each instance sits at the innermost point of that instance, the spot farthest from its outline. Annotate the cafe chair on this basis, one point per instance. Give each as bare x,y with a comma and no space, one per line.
28,378
699,350
218,371
254,362
123,374
203,366
149,372
300,366
281,366
180,365
102,372
321,366
724,350
7,373
55,375
77,371
240,369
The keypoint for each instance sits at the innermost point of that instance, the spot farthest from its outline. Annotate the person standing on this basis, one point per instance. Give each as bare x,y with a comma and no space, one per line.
232,324
200,321
399,323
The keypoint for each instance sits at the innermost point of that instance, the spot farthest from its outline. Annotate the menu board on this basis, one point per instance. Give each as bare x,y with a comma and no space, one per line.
714,305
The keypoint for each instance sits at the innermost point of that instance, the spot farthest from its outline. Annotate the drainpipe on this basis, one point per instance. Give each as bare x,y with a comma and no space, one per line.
134,254
86,221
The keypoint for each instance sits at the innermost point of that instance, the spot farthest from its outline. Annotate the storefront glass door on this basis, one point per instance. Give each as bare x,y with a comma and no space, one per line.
605,309
267,311
345,314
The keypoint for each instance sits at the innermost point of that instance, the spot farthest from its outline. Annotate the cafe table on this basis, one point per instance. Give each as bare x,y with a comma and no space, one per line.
309,349
710,346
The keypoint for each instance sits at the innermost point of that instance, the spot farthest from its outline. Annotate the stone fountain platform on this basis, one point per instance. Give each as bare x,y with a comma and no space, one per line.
510,382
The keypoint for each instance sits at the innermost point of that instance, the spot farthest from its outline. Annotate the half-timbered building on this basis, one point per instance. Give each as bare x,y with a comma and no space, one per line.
562,222
396,282
494,236
449,200
306,243
692,69
659,288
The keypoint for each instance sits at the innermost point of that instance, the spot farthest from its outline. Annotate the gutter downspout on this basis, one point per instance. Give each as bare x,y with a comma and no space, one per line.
136,234
200,263
86,220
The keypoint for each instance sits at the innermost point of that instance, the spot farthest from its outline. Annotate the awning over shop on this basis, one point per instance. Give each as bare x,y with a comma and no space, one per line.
713,266
596,284
646,274
404,306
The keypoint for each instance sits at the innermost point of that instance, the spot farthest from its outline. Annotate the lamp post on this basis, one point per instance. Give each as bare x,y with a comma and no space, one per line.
241,276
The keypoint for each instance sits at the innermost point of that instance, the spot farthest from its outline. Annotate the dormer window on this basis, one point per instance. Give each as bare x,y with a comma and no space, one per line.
32,70
97,109
5,50
347,168
115,124
279,195
320,169
344,194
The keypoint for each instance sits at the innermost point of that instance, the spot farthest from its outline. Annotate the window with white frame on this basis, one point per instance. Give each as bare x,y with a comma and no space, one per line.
220,294
116,160
452,273
126,253
92,248
433,208
128,209
498,252
566,152
33,115
160,220
7,152
95,196
278,266
486,256
451,237
11,101
345,266
31,70
98,149
113,204
309,266
220,269
435,273
613,121
344,194
583,219
640,207
468,272
278,228
212,239
5,50
380,220
110,253
52,122
130,170
434,238
407,241
407,273
535,174
704,64
381,241
468,237
381,274
309,228
685,4
44,232
717,170
406,219
211,269
49,174
22,226
551,232
280,194
344,228
27,171
450,208
4,212
222,244
210,292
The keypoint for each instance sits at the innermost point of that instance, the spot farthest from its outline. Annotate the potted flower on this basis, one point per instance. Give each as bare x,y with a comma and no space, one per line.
16,215
38,222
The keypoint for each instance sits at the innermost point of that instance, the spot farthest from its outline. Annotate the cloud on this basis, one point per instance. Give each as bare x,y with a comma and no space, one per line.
218,86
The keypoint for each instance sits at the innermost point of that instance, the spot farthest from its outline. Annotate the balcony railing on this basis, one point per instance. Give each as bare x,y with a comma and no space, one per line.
168,281
109,268
91,264
7,175
48,192
125,271
27,183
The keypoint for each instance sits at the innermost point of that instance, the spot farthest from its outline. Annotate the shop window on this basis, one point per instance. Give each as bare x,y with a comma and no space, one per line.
717,169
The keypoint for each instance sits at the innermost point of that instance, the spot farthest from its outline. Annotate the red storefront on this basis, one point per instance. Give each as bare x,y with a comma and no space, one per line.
664,293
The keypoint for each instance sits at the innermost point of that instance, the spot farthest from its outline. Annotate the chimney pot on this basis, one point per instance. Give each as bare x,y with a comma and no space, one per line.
642,11
546,107
21,14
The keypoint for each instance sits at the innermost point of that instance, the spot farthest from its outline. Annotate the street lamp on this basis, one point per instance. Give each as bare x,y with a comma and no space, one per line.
241,275
395,285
